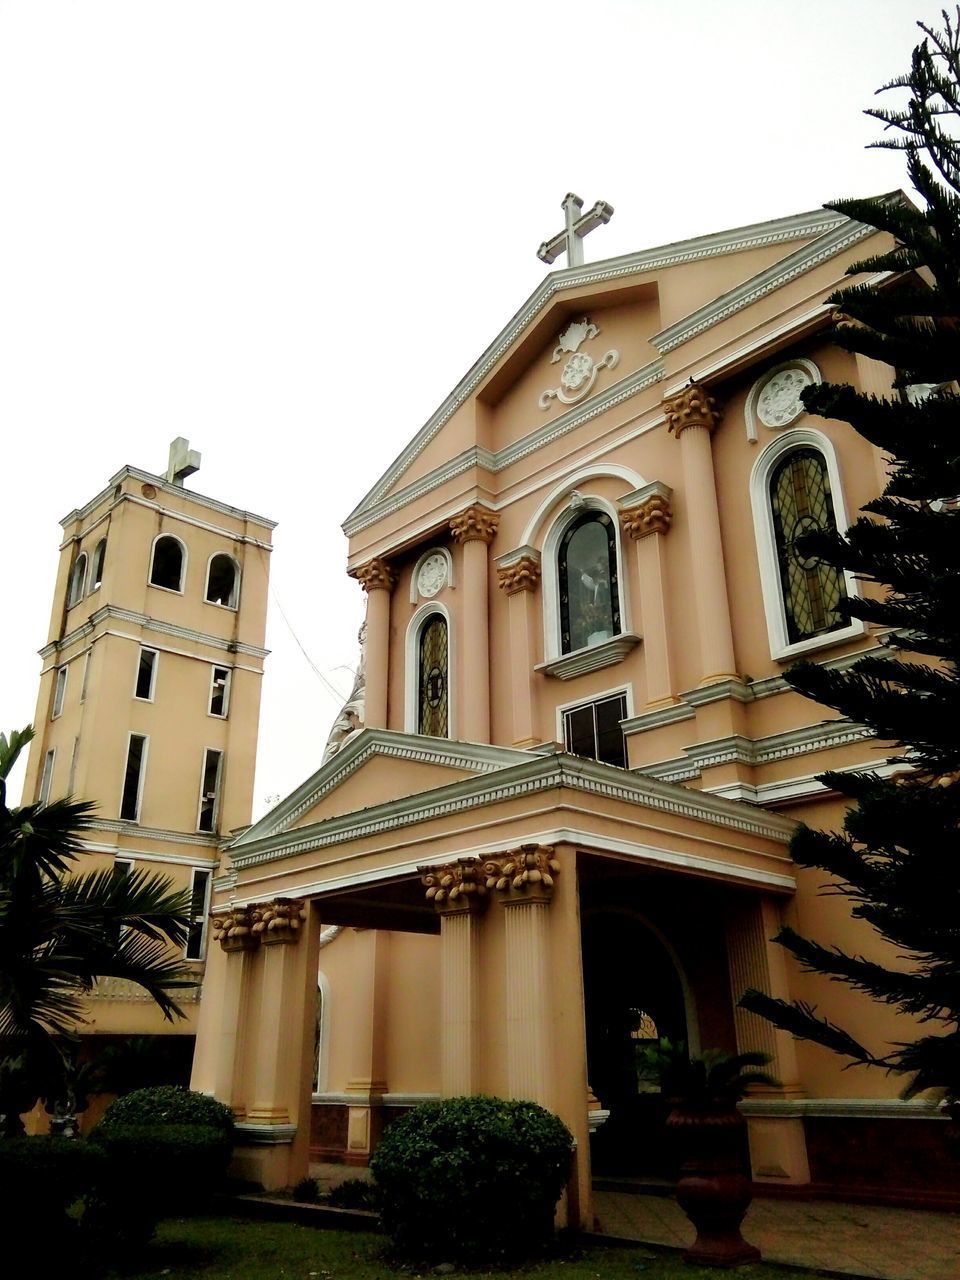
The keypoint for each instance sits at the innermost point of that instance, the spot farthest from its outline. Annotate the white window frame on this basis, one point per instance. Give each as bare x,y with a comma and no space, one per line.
224,714
218,791
140,780
234,603
205,919
619,690
782,649
72,777
411,698
59,692
46,777
78,578
176,591
144,648
86,674
550,575
96,565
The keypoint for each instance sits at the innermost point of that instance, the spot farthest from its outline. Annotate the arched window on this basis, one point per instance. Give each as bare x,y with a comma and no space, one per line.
800,503
166,568
588,582
77,577
223,578
795,489
432,684
99,555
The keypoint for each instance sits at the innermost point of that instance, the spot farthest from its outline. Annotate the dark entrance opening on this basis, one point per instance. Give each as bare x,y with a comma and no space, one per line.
633,997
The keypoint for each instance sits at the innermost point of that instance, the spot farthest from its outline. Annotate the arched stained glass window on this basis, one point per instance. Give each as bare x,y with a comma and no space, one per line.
800,503
433,692
589,590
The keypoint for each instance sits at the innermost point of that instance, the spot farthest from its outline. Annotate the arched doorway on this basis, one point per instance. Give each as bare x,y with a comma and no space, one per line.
634,995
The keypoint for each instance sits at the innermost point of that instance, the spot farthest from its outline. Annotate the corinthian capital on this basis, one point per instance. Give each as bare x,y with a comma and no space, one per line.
456,886
233,929
375,575
476,524
652,516
278,921
522,875
694,406
522,575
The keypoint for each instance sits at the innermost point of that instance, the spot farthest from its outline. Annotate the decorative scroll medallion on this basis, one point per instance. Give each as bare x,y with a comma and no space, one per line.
580,372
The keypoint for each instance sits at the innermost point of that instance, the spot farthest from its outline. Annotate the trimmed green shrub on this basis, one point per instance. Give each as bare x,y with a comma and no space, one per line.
41,1178
472,1179
354,1193
165,1104
306,1191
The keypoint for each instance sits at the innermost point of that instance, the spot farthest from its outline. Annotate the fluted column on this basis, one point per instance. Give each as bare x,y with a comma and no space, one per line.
378,580
777,1144
459,896
519,578
226,981
692,416
646,517
522,881
475,529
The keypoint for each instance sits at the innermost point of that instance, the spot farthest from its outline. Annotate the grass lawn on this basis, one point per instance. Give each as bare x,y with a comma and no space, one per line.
242,1249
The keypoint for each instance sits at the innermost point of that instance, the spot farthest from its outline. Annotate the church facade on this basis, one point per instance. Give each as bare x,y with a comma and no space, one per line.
553,824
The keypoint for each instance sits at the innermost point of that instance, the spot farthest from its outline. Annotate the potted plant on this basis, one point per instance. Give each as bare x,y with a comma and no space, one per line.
714,1190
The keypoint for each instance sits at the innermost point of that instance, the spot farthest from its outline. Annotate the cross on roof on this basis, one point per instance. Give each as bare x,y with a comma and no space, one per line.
184,461
570,239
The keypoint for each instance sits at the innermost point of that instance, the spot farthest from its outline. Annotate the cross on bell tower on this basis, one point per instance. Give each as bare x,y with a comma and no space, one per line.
570,239
183,462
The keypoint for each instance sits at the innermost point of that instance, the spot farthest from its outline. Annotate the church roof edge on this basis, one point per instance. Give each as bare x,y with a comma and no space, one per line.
810,225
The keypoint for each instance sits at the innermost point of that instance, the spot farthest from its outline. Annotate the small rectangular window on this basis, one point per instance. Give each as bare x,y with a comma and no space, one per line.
593,730
133,778
59,691
210,790
146,674
220,692
86,676
46,778
199,907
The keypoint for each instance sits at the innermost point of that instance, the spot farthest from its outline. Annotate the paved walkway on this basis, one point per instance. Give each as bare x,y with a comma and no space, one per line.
862,1240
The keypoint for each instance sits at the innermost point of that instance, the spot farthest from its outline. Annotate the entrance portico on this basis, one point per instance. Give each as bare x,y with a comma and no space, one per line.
492,866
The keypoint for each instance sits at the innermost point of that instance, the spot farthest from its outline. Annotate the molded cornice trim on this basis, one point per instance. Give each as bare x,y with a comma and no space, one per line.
174,490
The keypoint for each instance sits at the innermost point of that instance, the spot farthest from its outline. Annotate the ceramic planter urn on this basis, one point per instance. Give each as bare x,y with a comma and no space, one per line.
713,1191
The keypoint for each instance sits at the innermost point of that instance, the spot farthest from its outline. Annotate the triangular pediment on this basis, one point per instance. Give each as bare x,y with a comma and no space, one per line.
375,768
639,303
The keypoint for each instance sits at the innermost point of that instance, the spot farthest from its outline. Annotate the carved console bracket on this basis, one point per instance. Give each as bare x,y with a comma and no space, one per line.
694,406
375,575
476,524
522,875
455,886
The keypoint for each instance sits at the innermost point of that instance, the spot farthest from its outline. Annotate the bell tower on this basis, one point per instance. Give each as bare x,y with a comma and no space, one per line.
149,695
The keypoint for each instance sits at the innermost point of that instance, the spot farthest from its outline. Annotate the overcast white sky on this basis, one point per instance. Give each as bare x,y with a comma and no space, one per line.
285,230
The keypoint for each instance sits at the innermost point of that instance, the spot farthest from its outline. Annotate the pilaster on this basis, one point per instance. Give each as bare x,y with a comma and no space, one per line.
645,517
459,895
518,576
367,1061
378,580
522,881
474,529
778,1151
692,416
